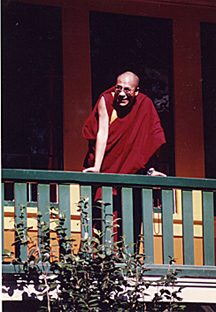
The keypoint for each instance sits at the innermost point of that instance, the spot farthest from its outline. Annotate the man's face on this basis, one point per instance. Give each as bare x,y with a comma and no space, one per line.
125,91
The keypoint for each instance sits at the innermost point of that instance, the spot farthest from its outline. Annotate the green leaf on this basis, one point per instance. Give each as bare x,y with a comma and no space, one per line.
39,214
62,216
53,286
93,301
43,295
60,265
7,253
32,251
25,266
97,232
102,256
38,260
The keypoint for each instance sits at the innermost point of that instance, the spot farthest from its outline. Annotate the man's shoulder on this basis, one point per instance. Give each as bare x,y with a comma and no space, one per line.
141,97
144,103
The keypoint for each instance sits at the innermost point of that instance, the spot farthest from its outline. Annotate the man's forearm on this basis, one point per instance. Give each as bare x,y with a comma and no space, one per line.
100,148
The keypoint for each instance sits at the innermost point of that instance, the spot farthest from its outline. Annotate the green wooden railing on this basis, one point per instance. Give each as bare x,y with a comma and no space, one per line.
127,183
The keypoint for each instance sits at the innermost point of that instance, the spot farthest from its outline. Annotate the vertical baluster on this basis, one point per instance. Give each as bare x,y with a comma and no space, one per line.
2,217
167,224
108,209
43,203
147,211
64,205
127,216
187,222
208,228
21,199
86,191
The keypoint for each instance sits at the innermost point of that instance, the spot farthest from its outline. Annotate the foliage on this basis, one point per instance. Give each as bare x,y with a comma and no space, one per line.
102,276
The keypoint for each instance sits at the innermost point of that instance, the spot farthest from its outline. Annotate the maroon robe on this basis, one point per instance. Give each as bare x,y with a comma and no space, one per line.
132,140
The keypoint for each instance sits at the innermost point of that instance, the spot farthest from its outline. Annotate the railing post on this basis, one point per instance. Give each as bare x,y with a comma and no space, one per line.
87,191
44,203
167,225
208,228
127,216
147,210
21,200
107,213
187,222
64,205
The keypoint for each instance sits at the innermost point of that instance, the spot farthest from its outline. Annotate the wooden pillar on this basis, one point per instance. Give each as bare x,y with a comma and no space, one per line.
77,82
188,111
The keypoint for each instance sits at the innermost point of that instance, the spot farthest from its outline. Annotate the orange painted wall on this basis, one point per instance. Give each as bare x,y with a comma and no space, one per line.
189,140
77,84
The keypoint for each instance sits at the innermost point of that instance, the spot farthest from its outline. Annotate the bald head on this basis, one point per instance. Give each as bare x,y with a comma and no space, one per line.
130,77
126,90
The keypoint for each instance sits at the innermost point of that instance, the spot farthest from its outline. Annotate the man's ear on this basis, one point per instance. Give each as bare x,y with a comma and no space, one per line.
137,91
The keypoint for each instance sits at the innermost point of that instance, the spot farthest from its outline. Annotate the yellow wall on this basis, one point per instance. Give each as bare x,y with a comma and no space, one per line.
9,221
178,232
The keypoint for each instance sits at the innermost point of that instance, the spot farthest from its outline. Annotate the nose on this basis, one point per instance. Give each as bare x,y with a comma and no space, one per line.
122,93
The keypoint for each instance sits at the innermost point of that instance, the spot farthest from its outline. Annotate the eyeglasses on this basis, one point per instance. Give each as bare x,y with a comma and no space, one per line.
126,90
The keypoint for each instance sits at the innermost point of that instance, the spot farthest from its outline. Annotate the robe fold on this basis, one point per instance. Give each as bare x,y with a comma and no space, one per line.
132,139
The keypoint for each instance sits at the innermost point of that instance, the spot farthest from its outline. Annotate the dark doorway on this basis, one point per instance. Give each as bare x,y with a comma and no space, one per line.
144,46
31,86
208,50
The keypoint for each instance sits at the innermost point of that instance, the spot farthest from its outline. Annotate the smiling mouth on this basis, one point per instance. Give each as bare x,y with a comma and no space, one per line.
123,101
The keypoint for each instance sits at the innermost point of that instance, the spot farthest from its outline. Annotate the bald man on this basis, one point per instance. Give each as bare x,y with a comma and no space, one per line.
123,130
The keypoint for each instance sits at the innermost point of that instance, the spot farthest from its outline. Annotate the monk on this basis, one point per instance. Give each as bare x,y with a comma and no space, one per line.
123,130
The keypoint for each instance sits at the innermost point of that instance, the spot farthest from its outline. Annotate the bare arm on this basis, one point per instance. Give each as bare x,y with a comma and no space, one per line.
102,137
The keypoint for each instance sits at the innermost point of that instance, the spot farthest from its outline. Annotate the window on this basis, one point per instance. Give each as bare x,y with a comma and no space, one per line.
31,86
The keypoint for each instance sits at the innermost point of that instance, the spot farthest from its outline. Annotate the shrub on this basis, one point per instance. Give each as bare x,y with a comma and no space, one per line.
102,276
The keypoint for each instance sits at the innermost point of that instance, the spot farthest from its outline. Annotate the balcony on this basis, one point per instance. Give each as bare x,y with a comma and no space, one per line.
175,216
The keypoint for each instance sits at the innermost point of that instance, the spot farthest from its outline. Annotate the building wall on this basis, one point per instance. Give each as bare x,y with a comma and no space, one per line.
188,111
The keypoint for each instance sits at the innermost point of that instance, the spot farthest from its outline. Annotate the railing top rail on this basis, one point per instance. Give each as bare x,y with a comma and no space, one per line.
106,179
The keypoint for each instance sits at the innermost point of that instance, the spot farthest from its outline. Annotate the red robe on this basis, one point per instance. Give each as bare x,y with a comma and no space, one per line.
132,140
